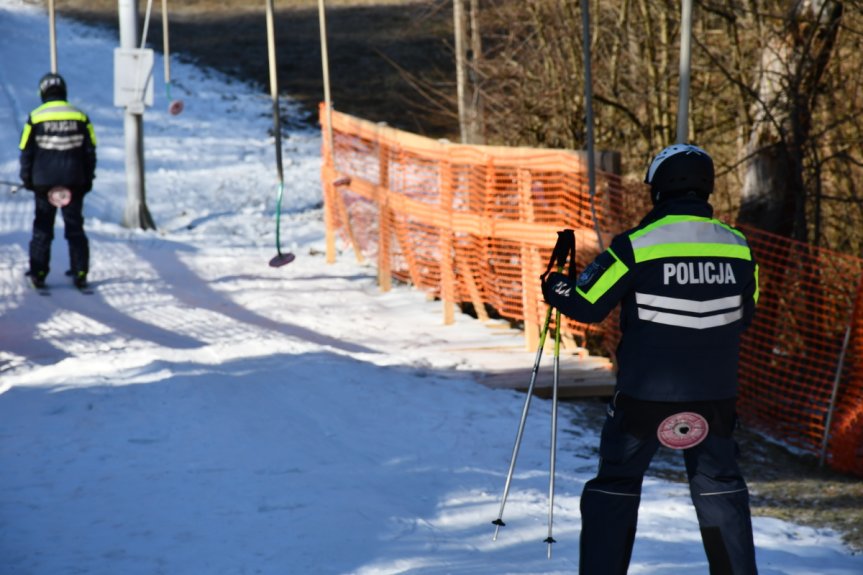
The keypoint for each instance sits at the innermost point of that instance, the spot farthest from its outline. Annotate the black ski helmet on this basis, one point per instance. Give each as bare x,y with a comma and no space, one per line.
52,87
678,170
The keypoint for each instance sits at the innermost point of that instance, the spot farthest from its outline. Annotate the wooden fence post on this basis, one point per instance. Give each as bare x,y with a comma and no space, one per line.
529,264
327,175
384,219
463,269
447,273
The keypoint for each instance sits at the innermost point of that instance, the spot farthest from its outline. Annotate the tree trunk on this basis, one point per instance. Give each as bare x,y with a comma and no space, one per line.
774,195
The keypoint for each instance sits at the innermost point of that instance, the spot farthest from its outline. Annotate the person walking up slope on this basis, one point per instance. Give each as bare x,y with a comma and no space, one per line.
687,285
58,163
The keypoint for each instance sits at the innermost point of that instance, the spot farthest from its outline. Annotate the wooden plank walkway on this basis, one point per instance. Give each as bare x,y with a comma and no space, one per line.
576,381
508,365
504,362
581,375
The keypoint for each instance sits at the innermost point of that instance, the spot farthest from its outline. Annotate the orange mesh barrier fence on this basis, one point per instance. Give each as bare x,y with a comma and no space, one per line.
475,226
800,371
404,200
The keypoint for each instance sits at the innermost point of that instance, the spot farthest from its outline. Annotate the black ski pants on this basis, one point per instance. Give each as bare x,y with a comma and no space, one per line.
610,501
43,235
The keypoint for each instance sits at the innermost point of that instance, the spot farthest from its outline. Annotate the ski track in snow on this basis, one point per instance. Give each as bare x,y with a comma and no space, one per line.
203,413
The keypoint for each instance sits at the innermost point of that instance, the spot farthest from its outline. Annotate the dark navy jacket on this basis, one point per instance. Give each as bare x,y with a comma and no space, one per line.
687,285
58,148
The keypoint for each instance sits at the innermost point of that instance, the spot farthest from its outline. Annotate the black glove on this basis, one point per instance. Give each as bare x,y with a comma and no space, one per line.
27,184
556,285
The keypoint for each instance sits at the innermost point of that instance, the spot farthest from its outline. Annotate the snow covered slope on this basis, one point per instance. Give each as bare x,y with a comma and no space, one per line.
203,413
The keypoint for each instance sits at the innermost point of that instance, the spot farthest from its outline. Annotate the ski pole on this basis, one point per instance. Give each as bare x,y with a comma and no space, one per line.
13,187
549,540
559,255
554,402
498,523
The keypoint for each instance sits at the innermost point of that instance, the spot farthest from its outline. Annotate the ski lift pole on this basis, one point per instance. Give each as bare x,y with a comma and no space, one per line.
274,88
280,258
330,158
166,49
331,145
52,34
174,106
588,107
331,151
685,72
325,66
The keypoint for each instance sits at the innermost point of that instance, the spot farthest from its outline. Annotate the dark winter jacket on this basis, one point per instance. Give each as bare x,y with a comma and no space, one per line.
58,148
687,285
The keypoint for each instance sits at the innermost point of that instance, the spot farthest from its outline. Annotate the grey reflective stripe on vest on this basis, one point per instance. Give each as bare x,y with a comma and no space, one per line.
60,143
669,306
690,305
692,231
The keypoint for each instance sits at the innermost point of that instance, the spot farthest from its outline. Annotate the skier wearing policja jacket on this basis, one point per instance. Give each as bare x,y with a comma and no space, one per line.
58,163
687,285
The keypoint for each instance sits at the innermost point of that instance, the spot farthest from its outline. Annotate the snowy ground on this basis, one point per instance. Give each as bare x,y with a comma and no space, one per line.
203,413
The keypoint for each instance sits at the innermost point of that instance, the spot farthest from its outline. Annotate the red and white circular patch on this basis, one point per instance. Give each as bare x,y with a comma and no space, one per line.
59,196
682,430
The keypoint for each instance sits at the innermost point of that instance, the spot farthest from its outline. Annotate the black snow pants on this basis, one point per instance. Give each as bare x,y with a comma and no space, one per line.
43,235
610,501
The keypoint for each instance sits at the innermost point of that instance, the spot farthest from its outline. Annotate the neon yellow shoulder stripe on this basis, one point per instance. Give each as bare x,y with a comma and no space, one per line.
691,250
48,116
757,288
92,133
25,135
56,110
608,279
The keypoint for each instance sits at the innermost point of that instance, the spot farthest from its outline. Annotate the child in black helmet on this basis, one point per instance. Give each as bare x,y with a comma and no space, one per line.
58,163
687,285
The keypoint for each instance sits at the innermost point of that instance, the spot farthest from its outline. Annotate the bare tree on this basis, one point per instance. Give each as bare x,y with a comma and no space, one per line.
468,49
776,96
790,72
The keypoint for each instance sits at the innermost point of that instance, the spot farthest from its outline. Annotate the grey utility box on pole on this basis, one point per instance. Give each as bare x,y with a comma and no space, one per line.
136,214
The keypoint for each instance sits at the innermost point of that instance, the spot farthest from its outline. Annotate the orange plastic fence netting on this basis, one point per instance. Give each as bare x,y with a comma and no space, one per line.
800,359
475,226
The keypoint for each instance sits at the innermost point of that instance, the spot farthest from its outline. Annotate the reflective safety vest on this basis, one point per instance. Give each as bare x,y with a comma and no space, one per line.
687,285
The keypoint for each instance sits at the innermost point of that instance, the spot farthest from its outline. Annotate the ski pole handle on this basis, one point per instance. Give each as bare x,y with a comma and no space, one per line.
565,245
567,240
563,250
